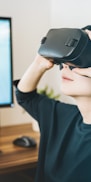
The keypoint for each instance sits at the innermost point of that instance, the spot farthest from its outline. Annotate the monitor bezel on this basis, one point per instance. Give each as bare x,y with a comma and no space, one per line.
11,65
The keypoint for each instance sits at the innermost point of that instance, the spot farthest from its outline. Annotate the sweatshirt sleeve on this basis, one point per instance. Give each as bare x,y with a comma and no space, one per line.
38,106
48,112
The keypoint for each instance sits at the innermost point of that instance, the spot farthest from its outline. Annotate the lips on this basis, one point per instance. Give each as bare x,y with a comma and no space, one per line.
66,78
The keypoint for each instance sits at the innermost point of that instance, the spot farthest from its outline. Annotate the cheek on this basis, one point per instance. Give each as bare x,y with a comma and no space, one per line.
80,86
85,85
82,80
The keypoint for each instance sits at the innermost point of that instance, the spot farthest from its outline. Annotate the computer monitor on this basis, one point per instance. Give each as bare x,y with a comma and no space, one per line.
6,68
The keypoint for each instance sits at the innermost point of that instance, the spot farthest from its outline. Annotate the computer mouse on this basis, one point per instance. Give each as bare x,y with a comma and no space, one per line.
25,141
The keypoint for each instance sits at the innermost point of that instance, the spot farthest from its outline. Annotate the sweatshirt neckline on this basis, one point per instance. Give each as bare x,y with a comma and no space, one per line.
85,125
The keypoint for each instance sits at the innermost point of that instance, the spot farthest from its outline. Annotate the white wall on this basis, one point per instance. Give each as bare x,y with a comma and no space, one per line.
69,13
31,20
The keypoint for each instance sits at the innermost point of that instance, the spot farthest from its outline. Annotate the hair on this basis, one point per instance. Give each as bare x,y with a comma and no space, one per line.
87,27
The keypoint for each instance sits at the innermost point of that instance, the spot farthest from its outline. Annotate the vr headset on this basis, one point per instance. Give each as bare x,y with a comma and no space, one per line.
67,45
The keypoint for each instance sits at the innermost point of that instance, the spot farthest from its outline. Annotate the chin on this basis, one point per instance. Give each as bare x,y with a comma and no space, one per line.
67,92
76,93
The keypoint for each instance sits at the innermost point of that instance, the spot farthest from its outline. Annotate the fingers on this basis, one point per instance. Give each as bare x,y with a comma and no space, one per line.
44,62
89,33
83,71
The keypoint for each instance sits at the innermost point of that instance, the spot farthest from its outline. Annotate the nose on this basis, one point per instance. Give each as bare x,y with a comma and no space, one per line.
63,65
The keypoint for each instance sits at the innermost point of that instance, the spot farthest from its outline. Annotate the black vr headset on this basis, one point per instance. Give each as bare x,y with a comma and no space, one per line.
67,45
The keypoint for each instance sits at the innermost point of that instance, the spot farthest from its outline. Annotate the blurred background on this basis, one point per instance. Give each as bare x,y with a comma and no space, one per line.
31,19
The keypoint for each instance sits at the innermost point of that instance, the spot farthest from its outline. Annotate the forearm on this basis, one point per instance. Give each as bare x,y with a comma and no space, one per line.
30,79
33,74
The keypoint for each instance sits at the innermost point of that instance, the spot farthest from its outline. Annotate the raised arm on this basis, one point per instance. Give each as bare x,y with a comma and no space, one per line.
33,74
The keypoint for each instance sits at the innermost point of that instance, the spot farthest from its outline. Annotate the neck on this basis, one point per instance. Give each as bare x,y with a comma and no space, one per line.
84,105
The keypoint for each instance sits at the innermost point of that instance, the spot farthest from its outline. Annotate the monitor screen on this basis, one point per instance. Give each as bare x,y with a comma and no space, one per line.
6,72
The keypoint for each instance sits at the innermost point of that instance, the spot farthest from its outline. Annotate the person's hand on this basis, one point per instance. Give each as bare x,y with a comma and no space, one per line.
89,33
44,62
83,71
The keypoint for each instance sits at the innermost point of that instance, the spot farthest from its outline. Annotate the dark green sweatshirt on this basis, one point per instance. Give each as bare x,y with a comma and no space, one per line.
65,143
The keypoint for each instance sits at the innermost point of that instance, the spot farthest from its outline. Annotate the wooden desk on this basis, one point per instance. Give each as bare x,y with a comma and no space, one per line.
14,158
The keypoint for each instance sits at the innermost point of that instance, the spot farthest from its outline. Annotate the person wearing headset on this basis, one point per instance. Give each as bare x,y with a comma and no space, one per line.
65,129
